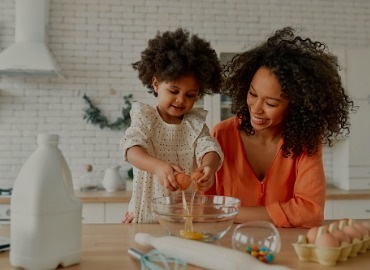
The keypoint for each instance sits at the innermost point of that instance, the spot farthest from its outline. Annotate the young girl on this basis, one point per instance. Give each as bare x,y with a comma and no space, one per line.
172,137
288,99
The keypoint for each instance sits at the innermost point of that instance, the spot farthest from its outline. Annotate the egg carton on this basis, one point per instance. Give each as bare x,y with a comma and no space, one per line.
330,255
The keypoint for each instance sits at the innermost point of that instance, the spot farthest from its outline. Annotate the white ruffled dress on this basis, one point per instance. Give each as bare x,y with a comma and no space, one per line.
184,144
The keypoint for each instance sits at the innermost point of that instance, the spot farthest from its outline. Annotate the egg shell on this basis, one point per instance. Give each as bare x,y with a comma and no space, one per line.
327,240
352,232
183,180
341,236
195,176
361,229
366,224
311,234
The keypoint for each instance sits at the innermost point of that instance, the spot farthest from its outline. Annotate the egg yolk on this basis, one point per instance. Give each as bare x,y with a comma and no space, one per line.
192,235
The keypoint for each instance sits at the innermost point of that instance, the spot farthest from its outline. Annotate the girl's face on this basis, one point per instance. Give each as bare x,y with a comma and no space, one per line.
266,106
176,98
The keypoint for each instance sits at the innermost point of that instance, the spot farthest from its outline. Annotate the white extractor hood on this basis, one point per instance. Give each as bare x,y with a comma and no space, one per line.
29,55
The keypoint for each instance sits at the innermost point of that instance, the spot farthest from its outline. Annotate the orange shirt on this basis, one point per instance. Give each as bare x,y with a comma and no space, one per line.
293,189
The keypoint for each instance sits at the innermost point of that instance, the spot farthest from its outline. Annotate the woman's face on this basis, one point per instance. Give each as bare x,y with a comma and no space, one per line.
176,98
266,106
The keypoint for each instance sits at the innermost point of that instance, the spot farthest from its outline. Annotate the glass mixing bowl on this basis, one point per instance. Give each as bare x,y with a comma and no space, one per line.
201,217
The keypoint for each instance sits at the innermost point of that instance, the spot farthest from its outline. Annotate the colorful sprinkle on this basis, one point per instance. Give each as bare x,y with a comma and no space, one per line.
263,254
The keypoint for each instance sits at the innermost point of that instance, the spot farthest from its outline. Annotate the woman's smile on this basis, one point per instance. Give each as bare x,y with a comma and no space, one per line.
258,120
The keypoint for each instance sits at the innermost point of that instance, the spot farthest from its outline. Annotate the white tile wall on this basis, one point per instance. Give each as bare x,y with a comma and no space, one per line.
95,42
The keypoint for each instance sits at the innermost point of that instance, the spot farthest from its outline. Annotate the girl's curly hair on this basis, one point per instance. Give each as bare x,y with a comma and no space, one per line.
173,54
309,78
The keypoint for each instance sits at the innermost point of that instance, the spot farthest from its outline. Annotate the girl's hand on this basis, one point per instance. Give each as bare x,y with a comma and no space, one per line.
206,181
129,217
166,175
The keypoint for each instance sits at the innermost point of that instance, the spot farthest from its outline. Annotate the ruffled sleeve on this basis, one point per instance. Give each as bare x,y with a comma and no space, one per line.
204,142
139,132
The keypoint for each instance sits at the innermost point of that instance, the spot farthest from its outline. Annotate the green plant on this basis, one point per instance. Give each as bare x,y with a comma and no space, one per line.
94,115
130,173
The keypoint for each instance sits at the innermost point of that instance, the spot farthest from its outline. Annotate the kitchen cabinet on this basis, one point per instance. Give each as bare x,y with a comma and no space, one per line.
4,213
351,159
328,211
355,209
97,206
114,212
103,212
93,213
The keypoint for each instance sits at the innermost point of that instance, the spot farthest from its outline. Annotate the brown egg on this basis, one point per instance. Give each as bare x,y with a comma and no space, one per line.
183,180
366,224
311,234
352,232
327,240
361,229
341,236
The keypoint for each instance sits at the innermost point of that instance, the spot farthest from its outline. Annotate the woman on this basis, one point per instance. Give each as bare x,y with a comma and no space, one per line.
288,100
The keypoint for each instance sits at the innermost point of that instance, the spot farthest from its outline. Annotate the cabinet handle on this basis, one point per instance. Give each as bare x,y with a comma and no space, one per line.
8,212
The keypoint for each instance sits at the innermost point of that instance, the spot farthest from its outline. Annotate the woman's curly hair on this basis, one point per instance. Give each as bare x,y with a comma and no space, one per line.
173,54
309,77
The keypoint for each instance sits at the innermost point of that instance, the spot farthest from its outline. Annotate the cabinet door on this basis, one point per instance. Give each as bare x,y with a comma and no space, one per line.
359,146
328,211
4,213
351,159
93,213
355,209
358,75
114,212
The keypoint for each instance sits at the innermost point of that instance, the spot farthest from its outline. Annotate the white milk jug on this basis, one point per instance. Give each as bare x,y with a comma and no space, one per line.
45,228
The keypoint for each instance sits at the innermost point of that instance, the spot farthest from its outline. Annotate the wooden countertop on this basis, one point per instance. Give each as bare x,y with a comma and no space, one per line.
339,194
100,196
103,196
104,246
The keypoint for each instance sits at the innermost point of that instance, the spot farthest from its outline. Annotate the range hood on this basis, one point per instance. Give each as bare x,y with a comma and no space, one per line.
29,55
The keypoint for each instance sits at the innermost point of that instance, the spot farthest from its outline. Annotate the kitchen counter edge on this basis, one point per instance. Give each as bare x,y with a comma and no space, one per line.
100,196
124,196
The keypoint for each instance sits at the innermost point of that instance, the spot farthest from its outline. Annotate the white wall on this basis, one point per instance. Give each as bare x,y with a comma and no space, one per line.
95,42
